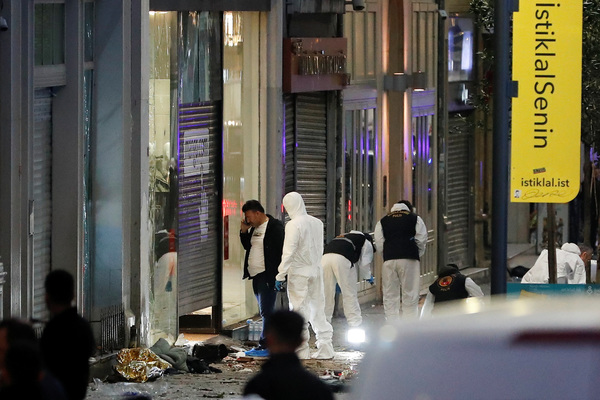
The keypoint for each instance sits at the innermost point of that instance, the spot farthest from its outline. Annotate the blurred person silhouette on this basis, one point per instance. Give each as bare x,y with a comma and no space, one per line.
402,237
282,376
262,237
21,371
301,266
67,341
344,258
449,285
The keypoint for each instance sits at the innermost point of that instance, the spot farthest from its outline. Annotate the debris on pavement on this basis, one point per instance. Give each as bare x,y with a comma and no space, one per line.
338,373
198,366
176,356
210,352
120,389
140,364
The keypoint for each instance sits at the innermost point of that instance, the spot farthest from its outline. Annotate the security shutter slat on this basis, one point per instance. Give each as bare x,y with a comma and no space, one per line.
290,141
458,209
311,152
199,209
42,197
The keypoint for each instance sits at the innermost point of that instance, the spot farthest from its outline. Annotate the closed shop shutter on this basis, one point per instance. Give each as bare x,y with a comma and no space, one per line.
459,191
306,150
42,197
199,229
311,152
290,141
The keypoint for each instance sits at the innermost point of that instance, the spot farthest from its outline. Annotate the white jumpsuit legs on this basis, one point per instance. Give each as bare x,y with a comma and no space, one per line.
397,275
337,268
306,298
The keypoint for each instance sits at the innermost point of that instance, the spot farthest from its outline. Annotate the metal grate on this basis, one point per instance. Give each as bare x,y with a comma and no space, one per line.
112,320
38,327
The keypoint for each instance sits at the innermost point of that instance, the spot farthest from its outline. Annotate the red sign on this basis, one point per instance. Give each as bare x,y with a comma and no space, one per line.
314,64
226,237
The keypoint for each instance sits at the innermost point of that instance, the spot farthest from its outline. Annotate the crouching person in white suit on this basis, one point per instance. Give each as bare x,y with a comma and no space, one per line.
450,285
570,265
347,256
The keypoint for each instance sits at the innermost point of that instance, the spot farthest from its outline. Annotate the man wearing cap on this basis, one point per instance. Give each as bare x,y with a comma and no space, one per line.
402,236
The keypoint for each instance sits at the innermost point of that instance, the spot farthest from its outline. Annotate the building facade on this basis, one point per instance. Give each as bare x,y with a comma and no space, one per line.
133,132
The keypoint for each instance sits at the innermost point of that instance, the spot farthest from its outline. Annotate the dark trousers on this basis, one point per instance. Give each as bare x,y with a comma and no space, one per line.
265,295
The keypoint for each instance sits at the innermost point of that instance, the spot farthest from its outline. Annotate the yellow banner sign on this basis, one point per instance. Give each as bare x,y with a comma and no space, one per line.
546,114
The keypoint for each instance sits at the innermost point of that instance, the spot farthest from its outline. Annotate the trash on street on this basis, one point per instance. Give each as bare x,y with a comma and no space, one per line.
140,364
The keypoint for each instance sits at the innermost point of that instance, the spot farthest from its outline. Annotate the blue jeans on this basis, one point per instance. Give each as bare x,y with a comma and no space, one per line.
265,295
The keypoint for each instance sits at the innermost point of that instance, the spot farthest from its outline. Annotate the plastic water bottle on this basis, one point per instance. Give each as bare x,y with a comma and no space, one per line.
255,331
249,323
258,329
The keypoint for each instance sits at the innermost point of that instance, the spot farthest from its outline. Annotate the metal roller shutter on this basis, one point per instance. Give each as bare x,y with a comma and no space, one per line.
311,152
290,141
199,250
42,197
459,192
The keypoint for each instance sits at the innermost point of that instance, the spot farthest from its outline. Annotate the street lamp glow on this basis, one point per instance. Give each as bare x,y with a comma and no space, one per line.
356,335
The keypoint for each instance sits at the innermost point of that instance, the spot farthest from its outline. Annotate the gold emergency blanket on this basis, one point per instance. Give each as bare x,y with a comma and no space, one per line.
140,364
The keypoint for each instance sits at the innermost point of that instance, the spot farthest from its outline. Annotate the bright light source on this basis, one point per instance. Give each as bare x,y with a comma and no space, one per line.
356,335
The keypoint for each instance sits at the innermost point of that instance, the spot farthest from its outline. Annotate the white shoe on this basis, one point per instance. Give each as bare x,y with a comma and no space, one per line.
317,356
303,352
325,352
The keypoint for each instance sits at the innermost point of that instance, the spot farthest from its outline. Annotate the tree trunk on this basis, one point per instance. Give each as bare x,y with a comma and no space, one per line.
587,198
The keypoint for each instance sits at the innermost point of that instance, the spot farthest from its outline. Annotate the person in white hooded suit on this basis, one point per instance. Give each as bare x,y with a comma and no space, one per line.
570,265
301,265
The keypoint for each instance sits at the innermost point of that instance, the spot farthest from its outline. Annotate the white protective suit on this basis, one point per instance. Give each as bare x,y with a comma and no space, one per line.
569,266
401,276
338,269
301,264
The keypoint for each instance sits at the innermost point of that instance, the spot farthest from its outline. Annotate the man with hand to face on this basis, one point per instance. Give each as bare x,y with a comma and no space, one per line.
262,238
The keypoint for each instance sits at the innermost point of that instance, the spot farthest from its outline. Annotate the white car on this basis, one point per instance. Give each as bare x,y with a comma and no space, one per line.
506,349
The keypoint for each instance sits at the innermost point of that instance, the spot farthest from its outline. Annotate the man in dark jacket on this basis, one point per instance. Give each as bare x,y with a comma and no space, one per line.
262,237
67,341
283,376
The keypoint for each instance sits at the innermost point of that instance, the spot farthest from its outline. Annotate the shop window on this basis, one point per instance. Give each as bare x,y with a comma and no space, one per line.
460,49
49,33
162,153
360,28
88,85
461,73
357,161
88,26
241,53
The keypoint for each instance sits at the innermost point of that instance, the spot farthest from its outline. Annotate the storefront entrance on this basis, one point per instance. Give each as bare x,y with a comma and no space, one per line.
204,151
